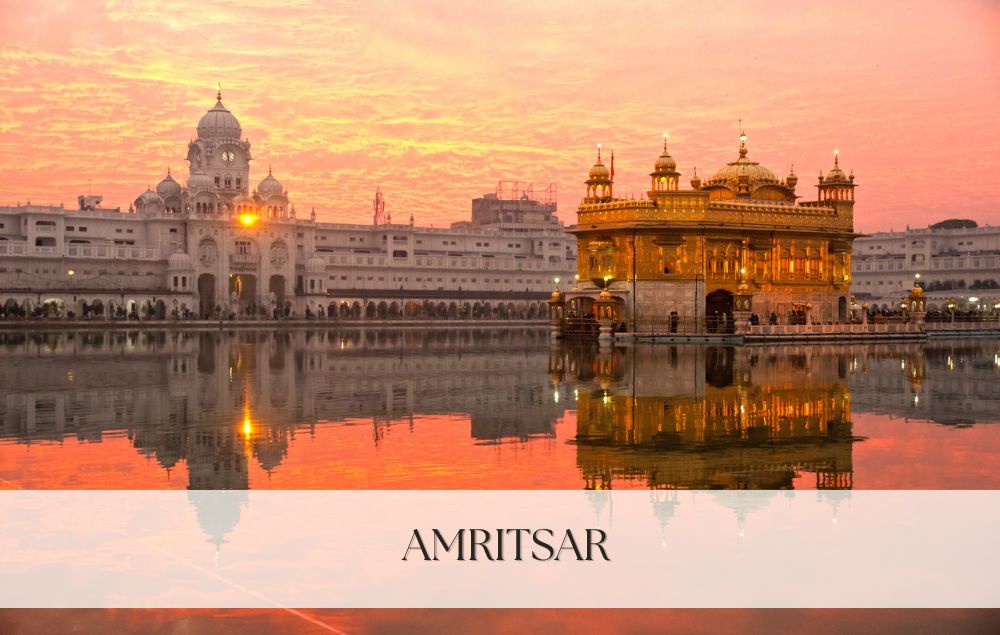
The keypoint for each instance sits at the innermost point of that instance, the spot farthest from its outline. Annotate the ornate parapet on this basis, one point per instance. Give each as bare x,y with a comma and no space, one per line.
695,207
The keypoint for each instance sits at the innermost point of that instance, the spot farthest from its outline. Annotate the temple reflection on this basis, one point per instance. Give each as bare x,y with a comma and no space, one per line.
224,408
710,417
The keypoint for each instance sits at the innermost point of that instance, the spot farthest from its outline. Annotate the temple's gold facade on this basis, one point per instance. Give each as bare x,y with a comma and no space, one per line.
735,245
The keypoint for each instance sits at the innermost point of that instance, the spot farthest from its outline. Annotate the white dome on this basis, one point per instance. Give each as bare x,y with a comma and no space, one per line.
270,186
149,197
179,260
316,264
200,180
168,187
219,123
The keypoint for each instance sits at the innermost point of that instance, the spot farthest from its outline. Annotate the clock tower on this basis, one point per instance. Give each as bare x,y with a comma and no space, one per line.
220,157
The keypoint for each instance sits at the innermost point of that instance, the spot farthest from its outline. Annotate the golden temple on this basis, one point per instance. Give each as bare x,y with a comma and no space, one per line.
739,247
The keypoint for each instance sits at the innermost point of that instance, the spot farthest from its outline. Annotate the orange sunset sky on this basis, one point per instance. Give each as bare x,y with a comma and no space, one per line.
437,101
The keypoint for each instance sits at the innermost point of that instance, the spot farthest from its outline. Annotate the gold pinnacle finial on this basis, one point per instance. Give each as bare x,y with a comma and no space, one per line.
598,153
743,140
836,158
218,95
664,143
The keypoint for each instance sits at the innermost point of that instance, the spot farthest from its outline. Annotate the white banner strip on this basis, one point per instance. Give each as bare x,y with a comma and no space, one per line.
320,549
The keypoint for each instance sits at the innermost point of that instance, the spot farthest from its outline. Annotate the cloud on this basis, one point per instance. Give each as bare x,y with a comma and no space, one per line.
438,101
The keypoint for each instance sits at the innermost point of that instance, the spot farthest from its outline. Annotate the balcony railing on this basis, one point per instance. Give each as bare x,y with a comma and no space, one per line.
244,260
8,248
886,328
121,252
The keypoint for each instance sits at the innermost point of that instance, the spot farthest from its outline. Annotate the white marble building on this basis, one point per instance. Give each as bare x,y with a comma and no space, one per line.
955,260
215,246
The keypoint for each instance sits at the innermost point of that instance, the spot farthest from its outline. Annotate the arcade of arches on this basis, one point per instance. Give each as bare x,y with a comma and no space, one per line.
152,307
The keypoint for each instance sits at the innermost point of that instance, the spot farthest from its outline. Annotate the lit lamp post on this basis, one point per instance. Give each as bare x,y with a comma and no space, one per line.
917,302
742,303
951,308
605,315
556,307
976,307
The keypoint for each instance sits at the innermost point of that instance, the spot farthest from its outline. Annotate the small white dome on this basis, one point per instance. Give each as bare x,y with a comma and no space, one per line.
149,197
316,264
168,187
179,260
219,123
270,186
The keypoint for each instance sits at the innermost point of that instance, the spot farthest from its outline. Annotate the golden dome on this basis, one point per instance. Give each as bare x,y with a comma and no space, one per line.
836,175
665,163
599,172
792,179
696,180
755,173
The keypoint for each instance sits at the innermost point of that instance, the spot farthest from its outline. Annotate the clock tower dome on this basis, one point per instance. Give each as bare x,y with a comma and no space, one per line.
220,156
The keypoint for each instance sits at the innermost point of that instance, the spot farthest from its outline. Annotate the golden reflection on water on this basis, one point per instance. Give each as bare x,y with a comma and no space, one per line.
711,418
489,409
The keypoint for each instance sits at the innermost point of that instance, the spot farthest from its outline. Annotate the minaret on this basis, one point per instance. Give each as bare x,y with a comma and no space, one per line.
836,189
665,176
696,180
792,179
598,181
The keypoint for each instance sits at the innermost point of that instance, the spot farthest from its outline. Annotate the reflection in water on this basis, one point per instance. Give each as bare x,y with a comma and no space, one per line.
712,418
482,408
217,401
490,409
